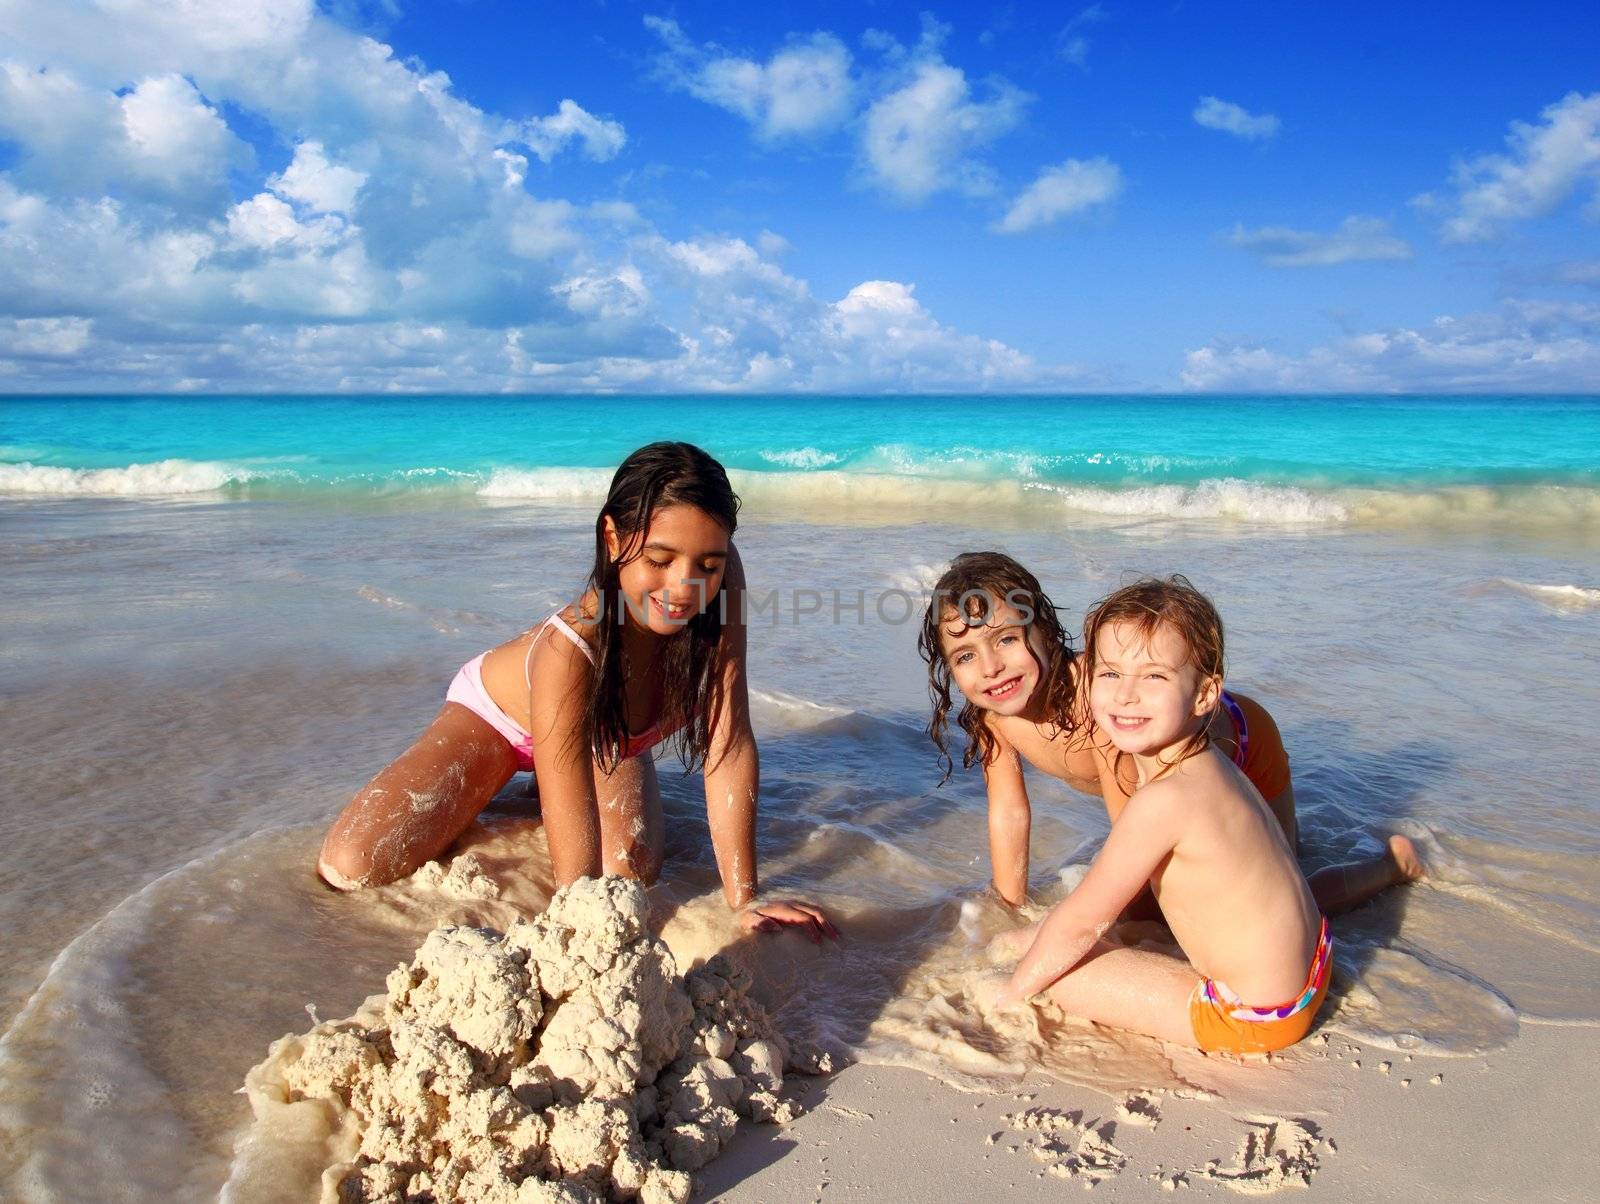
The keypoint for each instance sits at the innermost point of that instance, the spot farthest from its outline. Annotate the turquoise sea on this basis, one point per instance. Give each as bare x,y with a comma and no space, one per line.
1259,458
219,616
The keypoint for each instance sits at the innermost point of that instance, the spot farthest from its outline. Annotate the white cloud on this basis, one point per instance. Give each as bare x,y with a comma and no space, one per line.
45,338
313,181
760,328
547,136
905,348
430,221
921,125
1546,162
806,88
773,245
541,229
340,283
1580,271
918,139
1223,115
619,294
92,259
156,138
401,247
265,221
173,135
1074,45
1533,346
1357,239
1064,189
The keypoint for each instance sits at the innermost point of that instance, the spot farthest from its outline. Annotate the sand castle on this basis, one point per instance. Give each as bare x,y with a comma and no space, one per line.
563,1060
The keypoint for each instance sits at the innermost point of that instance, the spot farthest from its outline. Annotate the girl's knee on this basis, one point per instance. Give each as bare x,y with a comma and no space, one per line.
336,877
648,863
343,864
633,860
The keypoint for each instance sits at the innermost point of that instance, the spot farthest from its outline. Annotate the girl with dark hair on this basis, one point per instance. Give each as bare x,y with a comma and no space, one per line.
654,651
993,635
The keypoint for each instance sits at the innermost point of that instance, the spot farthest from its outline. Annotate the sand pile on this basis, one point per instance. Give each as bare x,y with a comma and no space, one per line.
562,1060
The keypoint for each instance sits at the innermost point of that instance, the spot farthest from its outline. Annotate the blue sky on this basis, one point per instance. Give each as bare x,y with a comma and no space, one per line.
278,195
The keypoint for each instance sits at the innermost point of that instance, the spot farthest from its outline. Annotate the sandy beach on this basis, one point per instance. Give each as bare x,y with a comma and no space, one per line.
346,344
1511,1126
164,926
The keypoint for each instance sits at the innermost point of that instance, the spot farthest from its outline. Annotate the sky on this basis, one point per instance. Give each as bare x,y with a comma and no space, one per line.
865,197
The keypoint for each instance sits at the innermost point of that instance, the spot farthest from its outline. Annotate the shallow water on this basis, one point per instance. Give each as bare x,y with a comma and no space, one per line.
192,689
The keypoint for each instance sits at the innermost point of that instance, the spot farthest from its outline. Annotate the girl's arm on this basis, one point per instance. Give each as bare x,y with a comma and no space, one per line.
562,760
1144,834
733,778
1010,822
733,764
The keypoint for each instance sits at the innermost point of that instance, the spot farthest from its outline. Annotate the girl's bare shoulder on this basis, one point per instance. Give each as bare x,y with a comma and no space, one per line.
549,651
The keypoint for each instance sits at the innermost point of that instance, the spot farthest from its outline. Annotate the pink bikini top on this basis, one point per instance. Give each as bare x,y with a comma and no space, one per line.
643,741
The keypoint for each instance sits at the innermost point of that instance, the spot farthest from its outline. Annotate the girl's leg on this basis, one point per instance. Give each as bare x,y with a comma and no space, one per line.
1341,887
632,829
416,807
1134,989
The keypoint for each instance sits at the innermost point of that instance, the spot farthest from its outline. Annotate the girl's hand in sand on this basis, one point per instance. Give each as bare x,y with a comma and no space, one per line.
993,992
773,915
1006,999
1009,946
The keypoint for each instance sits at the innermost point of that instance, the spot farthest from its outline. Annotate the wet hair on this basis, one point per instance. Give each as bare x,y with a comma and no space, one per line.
657,475
1147,605
972,588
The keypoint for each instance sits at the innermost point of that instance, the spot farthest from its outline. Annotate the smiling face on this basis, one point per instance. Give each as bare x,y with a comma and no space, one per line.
990,658
676,573
1146,693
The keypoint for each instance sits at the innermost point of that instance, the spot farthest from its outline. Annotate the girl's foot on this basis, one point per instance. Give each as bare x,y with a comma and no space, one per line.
1404,855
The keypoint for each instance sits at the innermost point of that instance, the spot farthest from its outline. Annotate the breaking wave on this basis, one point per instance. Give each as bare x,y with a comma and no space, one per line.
164,478
867,494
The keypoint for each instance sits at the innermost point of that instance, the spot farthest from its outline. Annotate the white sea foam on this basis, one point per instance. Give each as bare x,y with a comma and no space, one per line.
435,471
1228,498
548,484
1563,599
918,579
962,461
878,496
801,457
922,488
161,478
790,712
895,487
